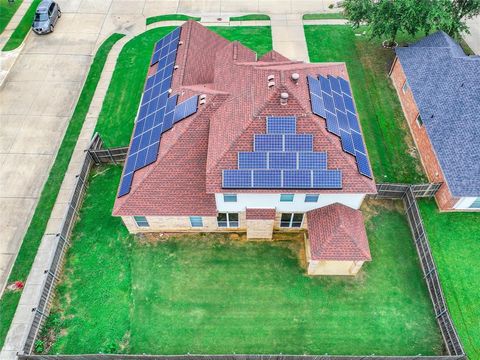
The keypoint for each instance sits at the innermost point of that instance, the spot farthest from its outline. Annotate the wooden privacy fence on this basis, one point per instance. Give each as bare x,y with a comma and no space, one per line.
231,357
96,154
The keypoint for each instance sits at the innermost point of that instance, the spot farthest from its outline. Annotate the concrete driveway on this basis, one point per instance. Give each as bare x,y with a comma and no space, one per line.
41,90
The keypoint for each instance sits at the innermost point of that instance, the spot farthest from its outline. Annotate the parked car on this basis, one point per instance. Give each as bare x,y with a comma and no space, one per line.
47,14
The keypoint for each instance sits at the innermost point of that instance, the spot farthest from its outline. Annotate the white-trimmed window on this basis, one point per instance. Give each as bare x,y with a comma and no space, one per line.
405,87
419,120
291,220
475,204
227,220
229,197
196,221
141,221
286,197
311,198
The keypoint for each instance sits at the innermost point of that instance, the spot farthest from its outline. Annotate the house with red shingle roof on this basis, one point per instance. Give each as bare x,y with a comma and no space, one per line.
225,141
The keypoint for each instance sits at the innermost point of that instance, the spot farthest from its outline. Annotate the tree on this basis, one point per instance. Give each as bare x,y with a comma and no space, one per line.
386,18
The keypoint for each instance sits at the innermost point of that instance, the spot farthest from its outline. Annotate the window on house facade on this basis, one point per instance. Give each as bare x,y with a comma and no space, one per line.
286,197
227,220
291,220
141,221
475,204
311,198
196,221
419,120
230,197
405,87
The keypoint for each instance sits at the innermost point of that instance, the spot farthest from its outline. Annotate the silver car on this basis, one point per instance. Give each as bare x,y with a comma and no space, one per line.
46,16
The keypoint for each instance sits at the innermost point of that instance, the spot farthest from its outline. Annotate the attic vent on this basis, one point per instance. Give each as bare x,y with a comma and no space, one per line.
295,77
271,77
283,98
271,84
203,99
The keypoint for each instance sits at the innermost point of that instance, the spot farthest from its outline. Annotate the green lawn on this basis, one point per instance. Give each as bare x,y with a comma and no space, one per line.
171,17
7,10
120,107
211,294
455,243
32,238
323,16
384,127
250,17
21,31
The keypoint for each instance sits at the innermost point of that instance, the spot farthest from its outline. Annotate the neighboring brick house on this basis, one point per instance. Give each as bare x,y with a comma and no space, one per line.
439,88
243,149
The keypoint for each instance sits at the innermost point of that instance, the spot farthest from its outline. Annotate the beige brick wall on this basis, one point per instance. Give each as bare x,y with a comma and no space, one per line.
278,217
444,198
259,229
180,224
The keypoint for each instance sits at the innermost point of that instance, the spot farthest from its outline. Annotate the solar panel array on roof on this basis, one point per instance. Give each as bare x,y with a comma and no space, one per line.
282,159
331,98
158,110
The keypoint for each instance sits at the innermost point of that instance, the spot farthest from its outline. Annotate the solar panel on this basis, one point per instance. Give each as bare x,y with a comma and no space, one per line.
282,160
252,160
297,179
268,142
158,111
299,142
267,178
237,178
335,103
281,125
327,179
363,165
312,160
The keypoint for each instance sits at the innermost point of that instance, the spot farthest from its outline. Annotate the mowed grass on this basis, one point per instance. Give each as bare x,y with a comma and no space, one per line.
386,133
23,28
455,242
211,294
7,10
120,107
36,229
324,16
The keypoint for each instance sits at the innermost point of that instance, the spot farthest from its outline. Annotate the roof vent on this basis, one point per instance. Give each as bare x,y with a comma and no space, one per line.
175,67
295,77
271,84
170,91
271,77
283,98
203,99
180,43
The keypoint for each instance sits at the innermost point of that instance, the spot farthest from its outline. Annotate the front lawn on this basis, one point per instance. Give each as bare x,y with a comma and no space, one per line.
212,294
389,143
7,10
120,107
23,28
455,243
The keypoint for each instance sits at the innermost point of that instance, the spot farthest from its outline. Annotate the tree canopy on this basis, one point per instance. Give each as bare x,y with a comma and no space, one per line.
385,18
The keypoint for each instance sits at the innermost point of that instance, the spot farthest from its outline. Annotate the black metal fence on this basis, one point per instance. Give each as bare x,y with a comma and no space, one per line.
96,154
449,333
230,357
397,191
62,243
101,155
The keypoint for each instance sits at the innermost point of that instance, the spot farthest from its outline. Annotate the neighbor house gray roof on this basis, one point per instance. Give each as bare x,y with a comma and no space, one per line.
446,86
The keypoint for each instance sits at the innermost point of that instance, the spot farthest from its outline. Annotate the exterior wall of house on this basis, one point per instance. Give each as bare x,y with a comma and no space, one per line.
181,224
259,229
272,201
330,267
445,200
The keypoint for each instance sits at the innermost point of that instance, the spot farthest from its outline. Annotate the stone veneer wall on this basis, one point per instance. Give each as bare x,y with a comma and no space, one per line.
444,198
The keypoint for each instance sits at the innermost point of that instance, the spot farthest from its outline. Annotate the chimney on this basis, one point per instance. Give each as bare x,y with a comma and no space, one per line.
283,98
